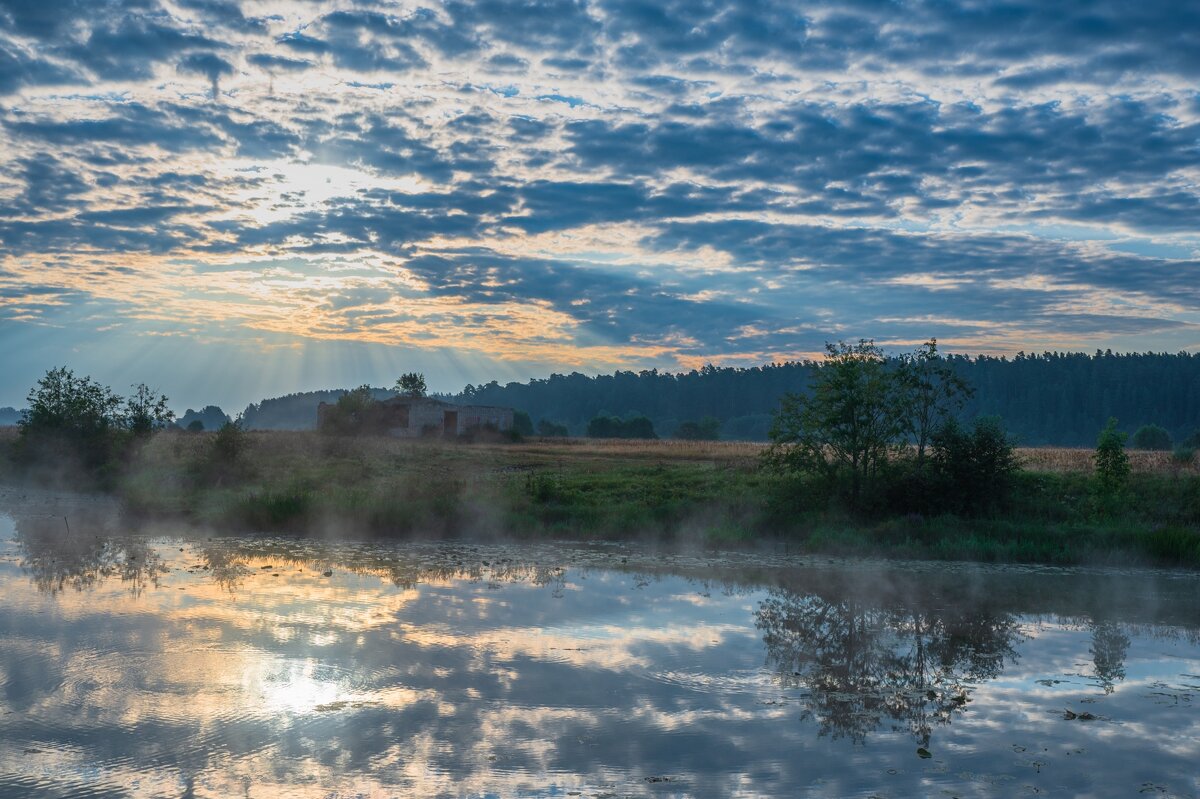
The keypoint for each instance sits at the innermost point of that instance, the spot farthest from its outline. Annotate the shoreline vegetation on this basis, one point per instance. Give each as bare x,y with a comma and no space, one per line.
712,493
870,460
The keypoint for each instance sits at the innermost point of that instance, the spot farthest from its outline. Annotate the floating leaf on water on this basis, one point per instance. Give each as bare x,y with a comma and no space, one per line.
924,753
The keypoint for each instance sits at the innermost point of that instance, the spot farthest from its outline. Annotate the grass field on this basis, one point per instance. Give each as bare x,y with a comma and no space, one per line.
709,492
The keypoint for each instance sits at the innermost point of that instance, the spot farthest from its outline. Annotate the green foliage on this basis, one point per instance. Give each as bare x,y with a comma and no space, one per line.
1193,441
145,413
411,384
229,444
522,423
76,407
707,429
933,392
1112,464
1151,436
351,414
973,467
615,427
77,422
195,426
848,424
549,429
1183,456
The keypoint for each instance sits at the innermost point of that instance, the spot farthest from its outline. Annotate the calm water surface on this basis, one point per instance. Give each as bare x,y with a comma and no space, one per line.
136,666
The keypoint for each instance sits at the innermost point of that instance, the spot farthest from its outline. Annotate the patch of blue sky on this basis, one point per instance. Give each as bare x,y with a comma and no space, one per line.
1062,232
1158,249
573,102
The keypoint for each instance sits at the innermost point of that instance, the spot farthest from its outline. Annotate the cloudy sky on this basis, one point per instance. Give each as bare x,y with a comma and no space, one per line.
232,200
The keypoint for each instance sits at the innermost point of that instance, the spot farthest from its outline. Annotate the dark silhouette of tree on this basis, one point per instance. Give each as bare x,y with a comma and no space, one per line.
145,412
707,429
1151,436
933,392
549,429
411,384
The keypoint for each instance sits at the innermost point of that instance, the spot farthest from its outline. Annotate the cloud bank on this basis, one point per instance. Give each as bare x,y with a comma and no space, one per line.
567,184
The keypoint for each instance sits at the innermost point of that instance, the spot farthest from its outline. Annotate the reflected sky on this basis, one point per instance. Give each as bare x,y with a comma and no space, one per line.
182,667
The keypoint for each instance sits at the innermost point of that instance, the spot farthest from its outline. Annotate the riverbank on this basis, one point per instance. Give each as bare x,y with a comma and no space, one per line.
713,493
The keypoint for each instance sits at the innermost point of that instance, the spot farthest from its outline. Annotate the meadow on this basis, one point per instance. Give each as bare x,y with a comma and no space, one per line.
701,492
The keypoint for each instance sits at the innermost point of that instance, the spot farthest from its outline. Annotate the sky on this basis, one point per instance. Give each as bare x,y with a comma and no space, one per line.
233,200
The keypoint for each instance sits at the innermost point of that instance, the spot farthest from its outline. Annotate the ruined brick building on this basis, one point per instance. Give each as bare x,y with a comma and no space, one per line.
413,417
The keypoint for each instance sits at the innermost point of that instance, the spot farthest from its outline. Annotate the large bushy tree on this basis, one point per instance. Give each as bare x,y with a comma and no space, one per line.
848,423
73,418
1151,436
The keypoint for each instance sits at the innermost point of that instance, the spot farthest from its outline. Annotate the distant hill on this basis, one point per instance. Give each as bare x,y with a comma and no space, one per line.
211,417
1060,399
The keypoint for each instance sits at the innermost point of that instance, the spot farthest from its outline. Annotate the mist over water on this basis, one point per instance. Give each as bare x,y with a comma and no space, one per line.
174,665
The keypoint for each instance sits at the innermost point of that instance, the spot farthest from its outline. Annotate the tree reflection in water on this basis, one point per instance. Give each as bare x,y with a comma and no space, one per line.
59,553
1110,644
865,666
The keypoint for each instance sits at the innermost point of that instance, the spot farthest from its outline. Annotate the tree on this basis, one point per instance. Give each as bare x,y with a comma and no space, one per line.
707,429
351,412
64,404
975,465
934,391
604,427
1151,436
522,424
411,384
638,427
145,413
72,417
1112,464
849,422
195,426
229,444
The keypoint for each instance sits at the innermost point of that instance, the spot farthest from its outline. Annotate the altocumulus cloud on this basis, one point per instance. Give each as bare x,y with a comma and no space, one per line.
595,183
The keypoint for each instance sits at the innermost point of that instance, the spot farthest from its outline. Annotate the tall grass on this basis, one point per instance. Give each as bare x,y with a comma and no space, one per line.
713,492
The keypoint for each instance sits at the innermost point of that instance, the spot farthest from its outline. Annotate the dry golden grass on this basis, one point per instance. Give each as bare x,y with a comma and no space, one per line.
286,446
1079,460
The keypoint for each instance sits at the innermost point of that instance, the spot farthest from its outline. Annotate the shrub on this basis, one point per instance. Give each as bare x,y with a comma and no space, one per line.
1183,455
549,429
229,444
615,427
707,429
973,468
1151,436
1112,464
1193,440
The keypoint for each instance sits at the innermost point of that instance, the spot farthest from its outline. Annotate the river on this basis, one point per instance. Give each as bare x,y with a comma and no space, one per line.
172,664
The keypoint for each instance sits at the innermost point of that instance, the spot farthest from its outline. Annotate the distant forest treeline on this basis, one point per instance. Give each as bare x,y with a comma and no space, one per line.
1048,399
